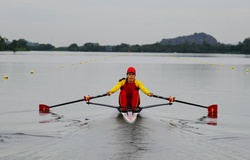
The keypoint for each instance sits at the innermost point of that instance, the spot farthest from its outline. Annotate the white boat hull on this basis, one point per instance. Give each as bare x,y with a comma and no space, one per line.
129,116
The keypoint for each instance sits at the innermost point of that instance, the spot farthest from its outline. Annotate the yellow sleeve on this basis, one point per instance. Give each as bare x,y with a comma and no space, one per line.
142,87
117,86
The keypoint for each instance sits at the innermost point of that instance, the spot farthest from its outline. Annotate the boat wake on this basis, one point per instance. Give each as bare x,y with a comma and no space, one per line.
54,117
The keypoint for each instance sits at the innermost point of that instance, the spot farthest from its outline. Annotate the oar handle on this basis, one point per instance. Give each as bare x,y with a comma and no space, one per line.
156,96
98,96
180,101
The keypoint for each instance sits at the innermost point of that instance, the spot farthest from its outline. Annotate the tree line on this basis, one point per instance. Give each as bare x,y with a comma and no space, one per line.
24,45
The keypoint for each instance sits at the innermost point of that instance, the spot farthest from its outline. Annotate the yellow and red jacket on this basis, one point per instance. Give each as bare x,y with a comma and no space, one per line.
138,84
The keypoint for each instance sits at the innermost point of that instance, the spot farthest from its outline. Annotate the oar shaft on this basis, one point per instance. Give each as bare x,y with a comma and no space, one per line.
98,96
180,101
197,105
67,103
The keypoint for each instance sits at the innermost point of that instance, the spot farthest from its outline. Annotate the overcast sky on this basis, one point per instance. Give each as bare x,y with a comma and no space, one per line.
63,22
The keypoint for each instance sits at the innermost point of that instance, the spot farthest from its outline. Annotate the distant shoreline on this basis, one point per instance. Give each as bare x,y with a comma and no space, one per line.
178,45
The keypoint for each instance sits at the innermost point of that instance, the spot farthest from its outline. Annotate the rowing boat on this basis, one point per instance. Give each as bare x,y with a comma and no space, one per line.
129,115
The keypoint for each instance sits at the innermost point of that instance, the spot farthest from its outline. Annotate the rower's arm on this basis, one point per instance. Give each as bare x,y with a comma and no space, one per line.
142,87
117,86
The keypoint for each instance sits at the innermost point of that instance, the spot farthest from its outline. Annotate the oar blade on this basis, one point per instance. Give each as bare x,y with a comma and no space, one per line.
213,111
43,108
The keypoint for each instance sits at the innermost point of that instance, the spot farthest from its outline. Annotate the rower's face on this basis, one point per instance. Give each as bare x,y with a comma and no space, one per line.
131,77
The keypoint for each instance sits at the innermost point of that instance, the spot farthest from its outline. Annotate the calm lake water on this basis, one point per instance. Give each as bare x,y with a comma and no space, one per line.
81,131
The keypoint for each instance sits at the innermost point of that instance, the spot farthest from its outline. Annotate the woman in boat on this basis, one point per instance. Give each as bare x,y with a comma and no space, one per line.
129,94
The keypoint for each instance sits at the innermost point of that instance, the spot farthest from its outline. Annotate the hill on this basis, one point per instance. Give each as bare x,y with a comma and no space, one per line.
197,38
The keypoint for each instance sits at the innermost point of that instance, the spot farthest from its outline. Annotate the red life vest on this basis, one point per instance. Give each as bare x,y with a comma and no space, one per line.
129,95
129,88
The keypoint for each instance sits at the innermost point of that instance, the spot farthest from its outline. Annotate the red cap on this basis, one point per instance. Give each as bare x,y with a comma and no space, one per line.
131,70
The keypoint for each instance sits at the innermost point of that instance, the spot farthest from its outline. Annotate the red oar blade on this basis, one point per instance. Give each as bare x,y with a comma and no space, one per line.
212,111
43,108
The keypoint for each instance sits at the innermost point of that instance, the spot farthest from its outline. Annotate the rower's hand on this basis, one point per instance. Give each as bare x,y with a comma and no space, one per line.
171,99
150,94
109,93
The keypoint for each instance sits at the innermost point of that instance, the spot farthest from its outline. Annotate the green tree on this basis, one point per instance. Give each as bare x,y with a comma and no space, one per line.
246,46
92,47
135,48
121,48
41,47
18,45
73,47
2,44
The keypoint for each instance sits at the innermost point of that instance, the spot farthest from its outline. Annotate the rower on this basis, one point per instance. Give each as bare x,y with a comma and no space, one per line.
129,95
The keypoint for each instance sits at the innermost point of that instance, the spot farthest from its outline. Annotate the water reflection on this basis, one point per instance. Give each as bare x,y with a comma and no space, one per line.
210,120
52,117
131,140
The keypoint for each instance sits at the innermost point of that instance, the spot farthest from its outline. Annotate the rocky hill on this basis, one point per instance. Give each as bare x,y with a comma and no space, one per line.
197,38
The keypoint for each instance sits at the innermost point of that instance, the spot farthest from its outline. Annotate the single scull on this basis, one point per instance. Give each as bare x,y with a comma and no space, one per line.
129,115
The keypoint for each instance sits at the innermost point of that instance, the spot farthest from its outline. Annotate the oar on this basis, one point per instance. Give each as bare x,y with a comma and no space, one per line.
45,108
212,109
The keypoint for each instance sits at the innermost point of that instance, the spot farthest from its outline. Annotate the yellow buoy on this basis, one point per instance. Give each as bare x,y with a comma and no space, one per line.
232,67
6,77
80,62
247,70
